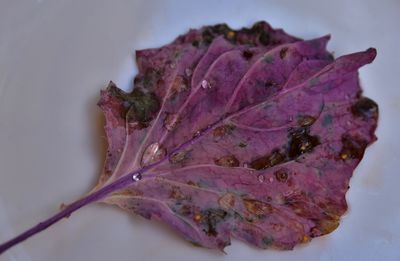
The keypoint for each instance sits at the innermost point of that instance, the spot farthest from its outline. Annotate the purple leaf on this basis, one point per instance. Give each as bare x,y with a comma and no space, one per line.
250,134
258,142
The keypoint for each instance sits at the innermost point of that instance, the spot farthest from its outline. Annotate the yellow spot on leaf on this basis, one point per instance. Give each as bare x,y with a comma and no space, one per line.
197,217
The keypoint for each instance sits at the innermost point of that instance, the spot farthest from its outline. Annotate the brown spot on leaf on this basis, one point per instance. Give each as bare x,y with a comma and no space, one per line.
191,183
270,84
231,35
222,131
268,161
365,108
305,120
177,194
283,52
211,218
300,142
247,54
180,157
257,207
324,226
227,201
305,239
242,145
129,192
185,210
179,85
227,161
352,147
281,175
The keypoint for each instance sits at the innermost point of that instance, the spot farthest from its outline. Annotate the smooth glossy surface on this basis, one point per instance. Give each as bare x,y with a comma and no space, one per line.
56,55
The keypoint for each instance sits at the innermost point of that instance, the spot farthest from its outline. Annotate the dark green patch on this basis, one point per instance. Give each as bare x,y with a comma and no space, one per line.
202,183
269,59
140,106
220,29
314,81
207,36
150,79
195,43
264,38
268,241
327,120
259,29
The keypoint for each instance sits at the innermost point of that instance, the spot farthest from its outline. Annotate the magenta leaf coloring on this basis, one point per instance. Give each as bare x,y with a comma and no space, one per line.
250,134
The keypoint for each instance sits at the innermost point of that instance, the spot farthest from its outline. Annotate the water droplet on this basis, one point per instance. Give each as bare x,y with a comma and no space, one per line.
188,72
245,165
172,65
347,97
271,179
348,123
290,118
171,121
137,177
196,134
261,178
205,84
153,153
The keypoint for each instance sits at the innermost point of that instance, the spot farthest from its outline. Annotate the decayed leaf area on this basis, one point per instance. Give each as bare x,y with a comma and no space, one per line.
251,133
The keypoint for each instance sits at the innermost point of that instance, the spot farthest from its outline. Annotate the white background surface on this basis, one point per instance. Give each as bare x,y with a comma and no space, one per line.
55,56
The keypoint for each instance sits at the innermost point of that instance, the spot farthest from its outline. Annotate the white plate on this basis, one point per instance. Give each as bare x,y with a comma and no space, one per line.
55,56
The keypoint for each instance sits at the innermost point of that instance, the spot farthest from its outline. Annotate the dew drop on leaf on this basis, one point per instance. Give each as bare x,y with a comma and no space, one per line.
153,153
205,84
188,72
137,177
171,121
238,151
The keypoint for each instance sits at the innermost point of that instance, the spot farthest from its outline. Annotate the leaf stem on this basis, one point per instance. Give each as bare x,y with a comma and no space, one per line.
68,210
